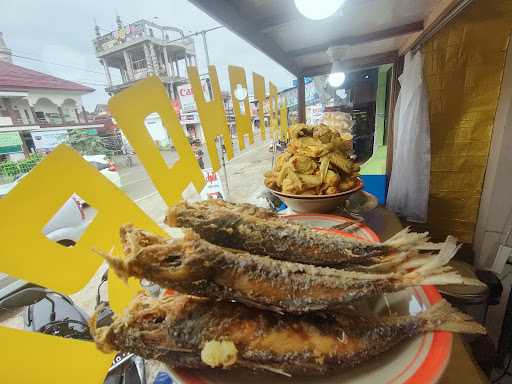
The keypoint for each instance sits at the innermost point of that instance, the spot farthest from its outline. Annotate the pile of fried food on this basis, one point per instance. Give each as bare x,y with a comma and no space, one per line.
316,162
256,291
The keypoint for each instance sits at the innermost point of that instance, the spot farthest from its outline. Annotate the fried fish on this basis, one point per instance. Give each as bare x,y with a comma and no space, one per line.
233,226
194,266
186,331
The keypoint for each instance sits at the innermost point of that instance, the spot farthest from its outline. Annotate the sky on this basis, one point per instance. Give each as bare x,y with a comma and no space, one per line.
61,31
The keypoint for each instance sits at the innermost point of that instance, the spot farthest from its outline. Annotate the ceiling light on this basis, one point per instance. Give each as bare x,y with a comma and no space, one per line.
240,92
318,10
337,77
341,93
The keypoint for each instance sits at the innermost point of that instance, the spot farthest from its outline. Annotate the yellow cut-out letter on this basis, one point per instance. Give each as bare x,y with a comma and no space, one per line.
283,121
130,108
30,357
28,254
273,110
238,85
211,114
259,94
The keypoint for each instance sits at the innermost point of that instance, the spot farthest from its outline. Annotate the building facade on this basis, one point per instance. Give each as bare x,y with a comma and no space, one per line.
142,49
31,101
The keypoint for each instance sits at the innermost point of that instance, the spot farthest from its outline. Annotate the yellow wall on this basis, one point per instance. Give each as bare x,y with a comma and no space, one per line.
463,68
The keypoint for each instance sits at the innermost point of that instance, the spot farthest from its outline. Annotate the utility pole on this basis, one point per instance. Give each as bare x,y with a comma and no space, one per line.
205,46
219,143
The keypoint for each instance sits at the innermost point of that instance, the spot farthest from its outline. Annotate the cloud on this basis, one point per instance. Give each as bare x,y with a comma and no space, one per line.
60,31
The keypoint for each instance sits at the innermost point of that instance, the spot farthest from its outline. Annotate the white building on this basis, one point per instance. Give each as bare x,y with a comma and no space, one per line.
31,101
142,49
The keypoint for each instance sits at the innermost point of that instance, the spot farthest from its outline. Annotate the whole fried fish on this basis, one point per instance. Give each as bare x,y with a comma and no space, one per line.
233,226
192,265
186,331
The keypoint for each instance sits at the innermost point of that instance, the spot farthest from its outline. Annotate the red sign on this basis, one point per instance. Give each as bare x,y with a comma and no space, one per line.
176,105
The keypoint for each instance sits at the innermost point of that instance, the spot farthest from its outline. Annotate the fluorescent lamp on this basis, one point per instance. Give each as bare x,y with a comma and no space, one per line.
240,92
318,10
337,77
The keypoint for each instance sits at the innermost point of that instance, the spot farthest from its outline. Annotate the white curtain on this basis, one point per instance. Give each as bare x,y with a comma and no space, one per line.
410,177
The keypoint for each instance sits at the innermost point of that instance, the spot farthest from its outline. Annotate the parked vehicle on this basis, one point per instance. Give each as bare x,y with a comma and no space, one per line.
65,227
106,167
55,314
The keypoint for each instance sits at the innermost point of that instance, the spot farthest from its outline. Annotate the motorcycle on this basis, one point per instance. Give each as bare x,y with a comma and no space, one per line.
56,314
278,146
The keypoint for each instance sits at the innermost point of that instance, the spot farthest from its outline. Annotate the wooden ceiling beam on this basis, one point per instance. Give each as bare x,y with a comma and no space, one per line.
354,63
361,39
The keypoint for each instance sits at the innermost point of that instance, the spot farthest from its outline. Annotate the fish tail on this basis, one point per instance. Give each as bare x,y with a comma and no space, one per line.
443,317
406,240
117,264
433,269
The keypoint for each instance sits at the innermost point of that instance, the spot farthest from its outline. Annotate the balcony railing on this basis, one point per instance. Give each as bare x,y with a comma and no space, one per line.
137,31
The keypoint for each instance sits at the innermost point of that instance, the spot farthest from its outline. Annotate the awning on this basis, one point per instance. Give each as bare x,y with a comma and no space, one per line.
13,94
374,32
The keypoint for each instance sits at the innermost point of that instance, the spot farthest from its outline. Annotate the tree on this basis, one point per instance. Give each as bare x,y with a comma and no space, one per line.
86,143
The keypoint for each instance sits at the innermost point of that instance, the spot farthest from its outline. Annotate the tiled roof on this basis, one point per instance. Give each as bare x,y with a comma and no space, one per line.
15,77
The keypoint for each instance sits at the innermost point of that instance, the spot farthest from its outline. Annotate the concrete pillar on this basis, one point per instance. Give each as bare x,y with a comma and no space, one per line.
77,115
33,113
173,67
85,114
177,68
171,91
107,72
301,99
166,58
147,56
154,58
128,65
380,107
10,111
61,114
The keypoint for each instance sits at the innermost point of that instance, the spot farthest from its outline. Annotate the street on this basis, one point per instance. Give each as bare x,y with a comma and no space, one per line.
137,183
245,177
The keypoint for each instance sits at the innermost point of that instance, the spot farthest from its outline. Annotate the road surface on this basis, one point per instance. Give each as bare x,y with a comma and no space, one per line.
137,183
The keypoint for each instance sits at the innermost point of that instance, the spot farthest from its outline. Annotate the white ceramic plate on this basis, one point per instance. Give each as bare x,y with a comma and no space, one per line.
419,360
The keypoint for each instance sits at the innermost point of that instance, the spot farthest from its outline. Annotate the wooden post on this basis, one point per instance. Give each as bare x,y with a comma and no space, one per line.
398,67
301,99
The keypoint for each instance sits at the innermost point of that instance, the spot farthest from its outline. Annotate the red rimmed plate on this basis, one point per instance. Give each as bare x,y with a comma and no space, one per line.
419,360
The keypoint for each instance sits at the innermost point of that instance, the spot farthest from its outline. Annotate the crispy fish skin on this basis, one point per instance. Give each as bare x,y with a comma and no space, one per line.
194,266
235,228
240,208
177,330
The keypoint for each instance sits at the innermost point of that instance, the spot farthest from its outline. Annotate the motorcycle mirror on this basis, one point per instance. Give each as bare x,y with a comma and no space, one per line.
23,298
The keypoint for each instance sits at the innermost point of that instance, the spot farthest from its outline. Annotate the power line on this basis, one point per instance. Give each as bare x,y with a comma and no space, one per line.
61,65
197,33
